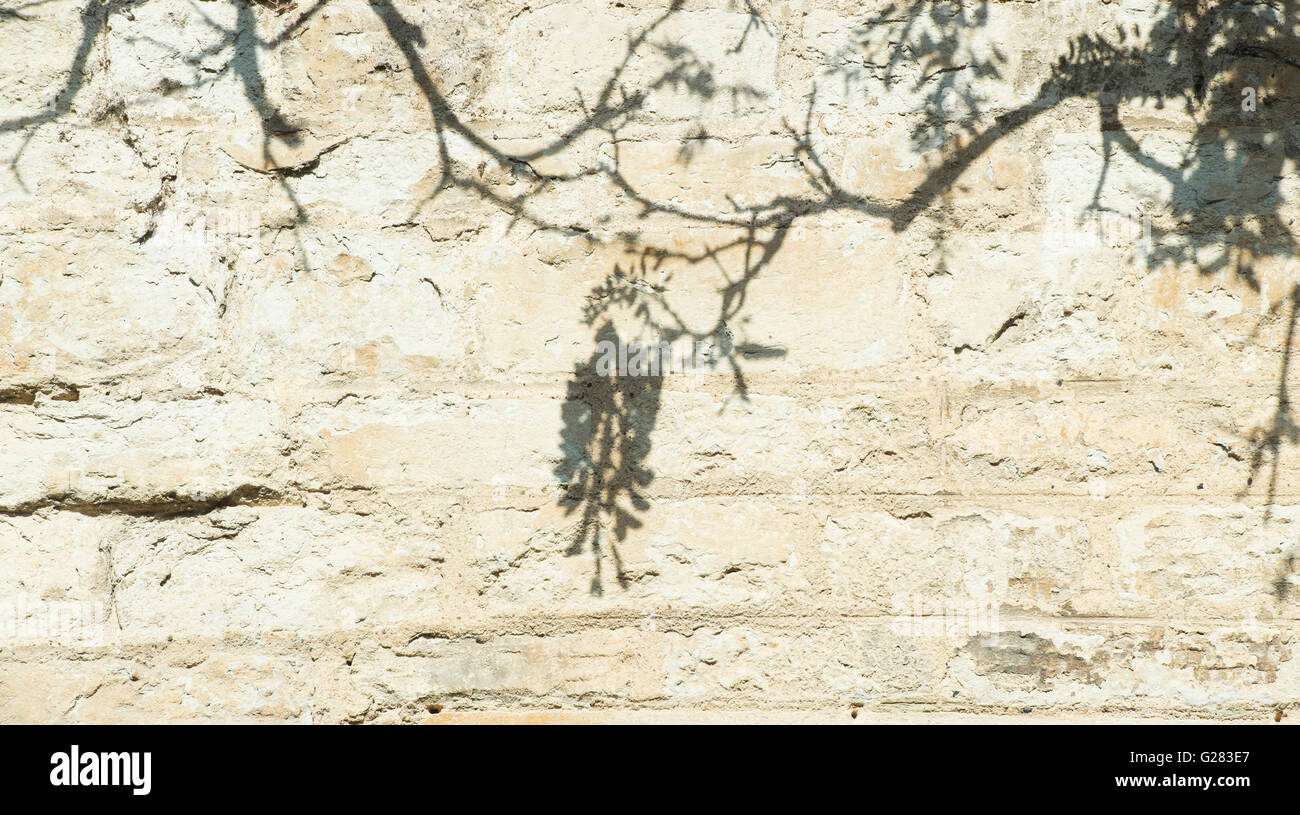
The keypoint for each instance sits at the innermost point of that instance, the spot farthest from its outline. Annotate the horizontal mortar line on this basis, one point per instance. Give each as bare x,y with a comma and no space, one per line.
181,512
974,495
722,382
811,501
1227,499
681,624
667,622
546,625
684,623
810,378
696,614
924,699
808,399
645,129
868,705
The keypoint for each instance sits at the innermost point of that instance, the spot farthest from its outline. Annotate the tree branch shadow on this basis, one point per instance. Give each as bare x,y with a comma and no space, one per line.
1193,48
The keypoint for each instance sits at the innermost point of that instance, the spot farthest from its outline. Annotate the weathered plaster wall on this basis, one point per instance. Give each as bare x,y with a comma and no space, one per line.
300,310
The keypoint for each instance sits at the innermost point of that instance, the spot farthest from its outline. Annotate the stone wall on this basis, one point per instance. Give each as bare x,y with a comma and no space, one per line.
985,314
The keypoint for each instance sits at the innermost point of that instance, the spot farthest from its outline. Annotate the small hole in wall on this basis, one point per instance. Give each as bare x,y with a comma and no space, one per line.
435,709
853,714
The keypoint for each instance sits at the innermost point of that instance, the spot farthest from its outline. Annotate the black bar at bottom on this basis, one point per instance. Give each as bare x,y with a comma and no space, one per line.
435,766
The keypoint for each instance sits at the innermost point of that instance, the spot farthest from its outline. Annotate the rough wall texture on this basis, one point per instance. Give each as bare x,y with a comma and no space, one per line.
305,310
